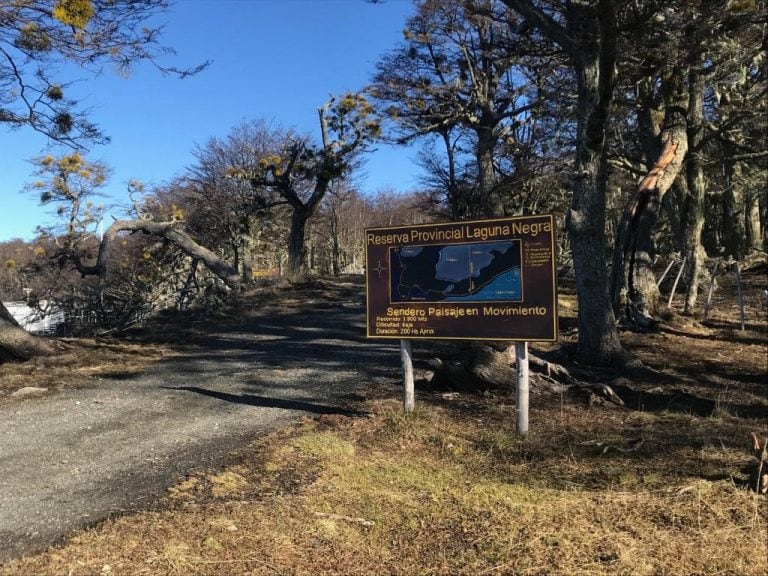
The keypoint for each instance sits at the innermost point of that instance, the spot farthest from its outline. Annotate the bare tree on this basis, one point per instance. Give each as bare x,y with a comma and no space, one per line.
36,37
677,67
458,79
301,173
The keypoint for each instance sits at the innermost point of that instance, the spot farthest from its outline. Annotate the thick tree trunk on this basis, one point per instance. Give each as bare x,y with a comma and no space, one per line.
246,251
734,232
711,237
694,225
633,284
632,278
297,246
752,220
589,37
734,221
16,343
643,280
474,367
734,225
598,339
652,120
235,246
673,205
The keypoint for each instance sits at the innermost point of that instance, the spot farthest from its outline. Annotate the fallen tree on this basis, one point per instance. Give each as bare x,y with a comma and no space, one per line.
173,232
18,344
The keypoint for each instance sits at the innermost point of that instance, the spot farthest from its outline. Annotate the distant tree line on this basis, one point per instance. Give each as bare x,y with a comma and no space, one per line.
640,124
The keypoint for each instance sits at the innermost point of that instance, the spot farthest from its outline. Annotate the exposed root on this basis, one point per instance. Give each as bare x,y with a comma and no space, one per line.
483,367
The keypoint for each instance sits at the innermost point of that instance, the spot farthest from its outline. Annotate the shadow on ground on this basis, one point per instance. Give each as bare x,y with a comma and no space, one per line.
266,402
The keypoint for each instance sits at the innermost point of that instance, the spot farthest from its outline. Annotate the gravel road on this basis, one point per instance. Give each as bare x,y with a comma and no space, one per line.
72,458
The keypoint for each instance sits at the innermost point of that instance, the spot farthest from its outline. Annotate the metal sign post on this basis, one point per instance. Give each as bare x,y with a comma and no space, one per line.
521,407
409,397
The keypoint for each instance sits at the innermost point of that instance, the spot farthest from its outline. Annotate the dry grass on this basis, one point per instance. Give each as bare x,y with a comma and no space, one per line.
450,490
81,362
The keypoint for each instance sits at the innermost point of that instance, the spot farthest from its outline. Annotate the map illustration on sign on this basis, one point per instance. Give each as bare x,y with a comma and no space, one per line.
472,272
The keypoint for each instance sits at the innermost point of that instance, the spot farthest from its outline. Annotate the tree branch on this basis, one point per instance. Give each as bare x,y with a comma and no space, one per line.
545,23
172,232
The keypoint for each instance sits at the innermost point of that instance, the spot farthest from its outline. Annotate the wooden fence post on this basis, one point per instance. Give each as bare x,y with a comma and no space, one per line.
677,279
741,294
664,275
711,290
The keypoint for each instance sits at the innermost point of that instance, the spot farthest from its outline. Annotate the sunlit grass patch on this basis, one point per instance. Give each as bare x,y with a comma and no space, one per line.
324,445
447,492
227,483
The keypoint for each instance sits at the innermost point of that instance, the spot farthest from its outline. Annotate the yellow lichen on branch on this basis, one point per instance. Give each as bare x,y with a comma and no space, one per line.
76,13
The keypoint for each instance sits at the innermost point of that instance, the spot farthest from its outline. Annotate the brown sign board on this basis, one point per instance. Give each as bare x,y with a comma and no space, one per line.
478,280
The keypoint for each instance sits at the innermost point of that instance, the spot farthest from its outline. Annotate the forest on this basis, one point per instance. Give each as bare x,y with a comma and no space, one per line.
641,125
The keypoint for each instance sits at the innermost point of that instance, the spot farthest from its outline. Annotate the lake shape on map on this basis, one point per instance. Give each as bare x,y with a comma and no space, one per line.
472,272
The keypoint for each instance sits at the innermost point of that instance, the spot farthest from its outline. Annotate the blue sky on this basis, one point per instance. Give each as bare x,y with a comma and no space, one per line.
272,59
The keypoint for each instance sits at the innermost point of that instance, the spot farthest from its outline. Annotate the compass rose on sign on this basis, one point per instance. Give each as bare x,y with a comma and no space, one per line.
380,268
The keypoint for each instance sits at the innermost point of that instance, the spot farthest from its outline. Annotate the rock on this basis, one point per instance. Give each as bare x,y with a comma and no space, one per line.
28,391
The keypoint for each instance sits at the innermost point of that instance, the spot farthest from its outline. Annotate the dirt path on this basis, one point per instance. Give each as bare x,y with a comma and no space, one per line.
80,455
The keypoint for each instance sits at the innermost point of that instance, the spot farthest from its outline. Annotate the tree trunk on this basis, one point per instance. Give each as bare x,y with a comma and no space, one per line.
632,278
595,73
674,210
474,367
633,284
696,186
246,265
297,246
734,205
734,233
235,247
335,243
643,282
456,200
651,122
170,231
694,225
752,220
16,343
598,340
486,175
711,237
734,222
589,37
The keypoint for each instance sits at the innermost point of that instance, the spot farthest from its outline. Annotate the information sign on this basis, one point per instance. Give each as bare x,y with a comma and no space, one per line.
484,280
